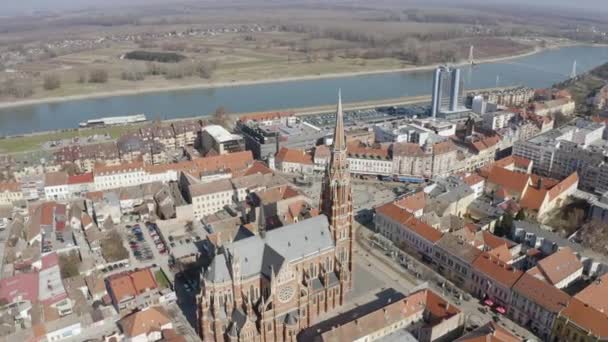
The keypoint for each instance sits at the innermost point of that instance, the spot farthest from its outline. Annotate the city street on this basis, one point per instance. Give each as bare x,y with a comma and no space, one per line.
476,313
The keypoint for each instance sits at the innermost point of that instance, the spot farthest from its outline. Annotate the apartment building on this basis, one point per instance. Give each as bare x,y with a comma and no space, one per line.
535,304
216,139
10,192
404,229
578,147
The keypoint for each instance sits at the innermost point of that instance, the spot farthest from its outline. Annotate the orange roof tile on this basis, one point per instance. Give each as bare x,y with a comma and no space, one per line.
10,187
492,241
541,293
533,198
413,202
511,181
595,294
497,270
55,178
257,167
143,280
131,284
473,179
444,147
80,179
122,287
502,253
564,185
144,322
357,148
587,317
409,222
294,156
559,265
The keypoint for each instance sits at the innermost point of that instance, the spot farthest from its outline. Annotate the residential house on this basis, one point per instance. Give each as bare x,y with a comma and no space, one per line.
10,192
454,257
294,161
492,281
559,269
405,230
375,160
56,186
78,185
535,305
130,290
148,325
580,321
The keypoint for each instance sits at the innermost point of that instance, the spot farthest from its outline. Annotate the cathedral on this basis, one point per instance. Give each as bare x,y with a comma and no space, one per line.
271,286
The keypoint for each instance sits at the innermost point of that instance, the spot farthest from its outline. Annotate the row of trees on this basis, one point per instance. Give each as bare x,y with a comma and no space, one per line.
153,56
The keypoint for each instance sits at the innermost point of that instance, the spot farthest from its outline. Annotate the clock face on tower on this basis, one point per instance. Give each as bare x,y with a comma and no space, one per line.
286,293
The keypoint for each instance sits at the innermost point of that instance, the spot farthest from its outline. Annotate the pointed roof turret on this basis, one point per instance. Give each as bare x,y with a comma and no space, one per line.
339,139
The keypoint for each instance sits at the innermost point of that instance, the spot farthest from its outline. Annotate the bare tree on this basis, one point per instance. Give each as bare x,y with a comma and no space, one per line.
51,82
98,76
82,76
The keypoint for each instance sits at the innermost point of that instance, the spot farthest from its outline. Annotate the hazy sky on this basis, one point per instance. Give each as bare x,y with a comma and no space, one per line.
20,6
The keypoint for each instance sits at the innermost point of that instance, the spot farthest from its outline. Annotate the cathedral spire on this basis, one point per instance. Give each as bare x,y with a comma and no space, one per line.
339,139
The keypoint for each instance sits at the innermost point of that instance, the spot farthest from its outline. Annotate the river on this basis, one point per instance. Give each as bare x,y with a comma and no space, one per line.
539,70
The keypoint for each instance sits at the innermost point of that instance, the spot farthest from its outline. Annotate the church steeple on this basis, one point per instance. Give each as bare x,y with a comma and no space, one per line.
339,139
336,196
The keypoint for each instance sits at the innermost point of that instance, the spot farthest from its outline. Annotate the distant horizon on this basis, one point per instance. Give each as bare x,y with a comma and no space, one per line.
24,7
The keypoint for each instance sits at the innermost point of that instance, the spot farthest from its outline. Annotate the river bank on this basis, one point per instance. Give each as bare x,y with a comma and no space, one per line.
126,92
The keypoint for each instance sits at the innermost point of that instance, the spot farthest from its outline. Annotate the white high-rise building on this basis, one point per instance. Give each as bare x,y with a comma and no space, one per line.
448,91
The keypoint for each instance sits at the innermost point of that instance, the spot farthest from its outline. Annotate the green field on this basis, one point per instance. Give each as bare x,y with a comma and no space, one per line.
34,142
161,279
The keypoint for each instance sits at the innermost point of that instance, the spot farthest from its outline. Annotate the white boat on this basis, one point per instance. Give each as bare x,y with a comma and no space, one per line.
114,120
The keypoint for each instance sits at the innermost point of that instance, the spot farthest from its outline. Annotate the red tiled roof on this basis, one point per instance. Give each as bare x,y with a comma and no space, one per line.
144,322
492,241
131,284
24,285
595,294
473,179
257,167
533,198
485,143
490,332
10,187
357,148
413,202
409,222
517,161
564,185
444,147
55,178
502,253
294,156
541,293
511,181
80,179
559,265
587,317
497,270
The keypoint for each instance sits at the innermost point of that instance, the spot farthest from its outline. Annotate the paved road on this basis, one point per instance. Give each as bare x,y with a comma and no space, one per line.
472,308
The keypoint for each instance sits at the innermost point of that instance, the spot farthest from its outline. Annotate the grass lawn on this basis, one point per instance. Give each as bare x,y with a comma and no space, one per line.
161,279
34,142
